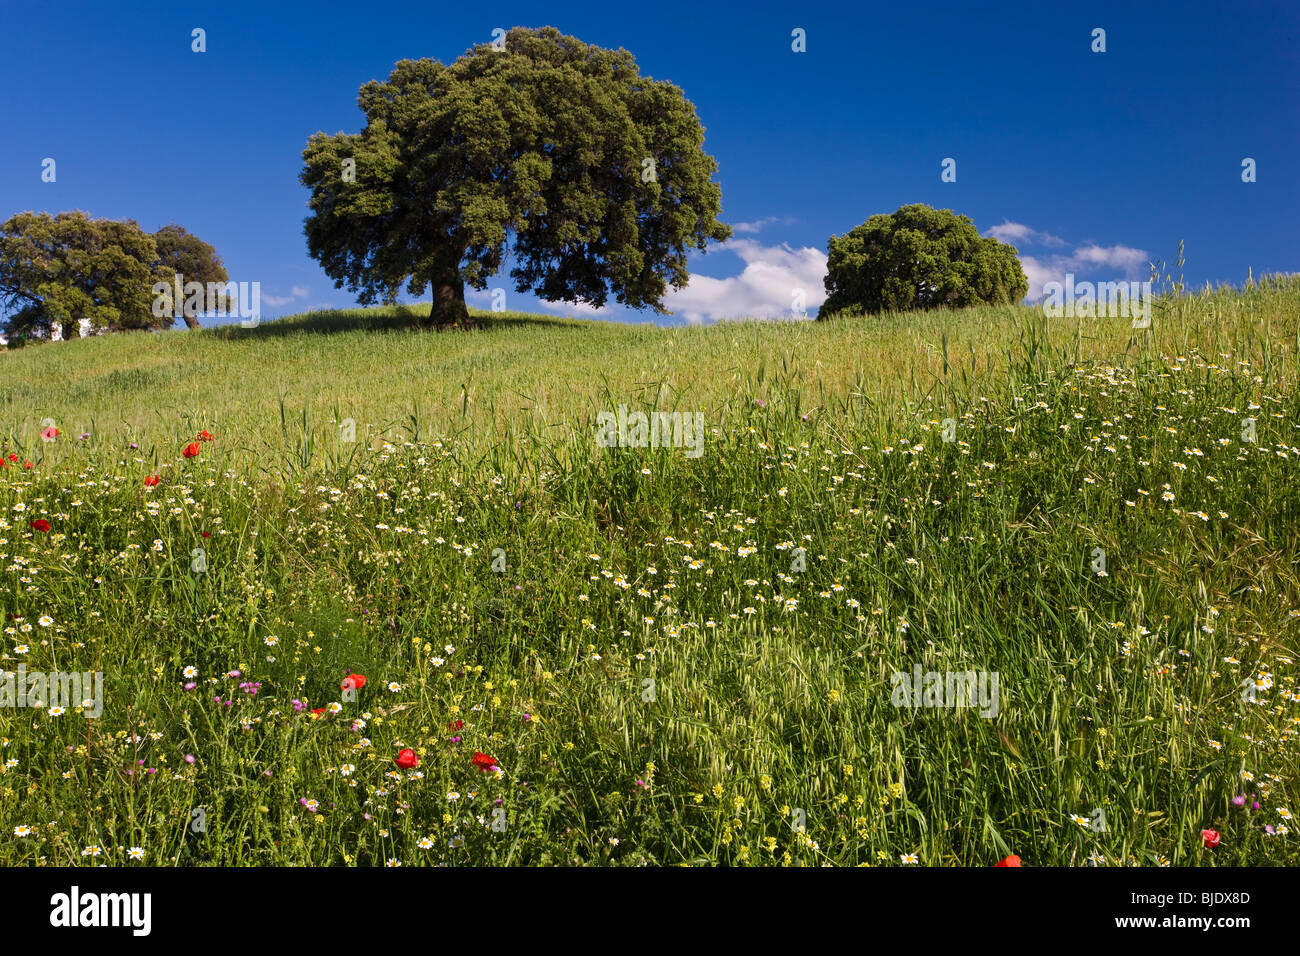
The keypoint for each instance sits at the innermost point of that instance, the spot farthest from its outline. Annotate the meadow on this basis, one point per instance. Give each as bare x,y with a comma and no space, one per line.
628,656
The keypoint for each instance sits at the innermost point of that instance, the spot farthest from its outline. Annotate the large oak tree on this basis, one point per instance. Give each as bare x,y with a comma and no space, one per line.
591,176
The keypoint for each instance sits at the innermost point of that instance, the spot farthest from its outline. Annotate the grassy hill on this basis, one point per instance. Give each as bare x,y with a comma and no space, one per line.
668,659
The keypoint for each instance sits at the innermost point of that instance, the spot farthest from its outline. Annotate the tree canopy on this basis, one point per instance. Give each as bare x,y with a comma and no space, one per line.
593,176
63,268
919,258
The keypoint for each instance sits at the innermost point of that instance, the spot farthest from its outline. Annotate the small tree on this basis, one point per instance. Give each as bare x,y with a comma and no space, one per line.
186,254
594,174
919,258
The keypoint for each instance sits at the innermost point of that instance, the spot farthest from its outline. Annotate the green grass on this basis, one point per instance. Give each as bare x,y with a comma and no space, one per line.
771,694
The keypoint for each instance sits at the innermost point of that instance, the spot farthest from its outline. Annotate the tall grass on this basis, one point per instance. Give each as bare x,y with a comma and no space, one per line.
659,671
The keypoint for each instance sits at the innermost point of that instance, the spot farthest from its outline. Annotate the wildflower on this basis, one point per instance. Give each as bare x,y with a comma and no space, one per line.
151,480
40,524
406,759
190,450
1012,860
1211,838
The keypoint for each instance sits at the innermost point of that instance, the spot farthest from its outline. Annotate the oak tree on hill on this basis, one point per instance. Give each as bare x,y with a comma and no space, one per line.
195,260
919,258
592,176
58,270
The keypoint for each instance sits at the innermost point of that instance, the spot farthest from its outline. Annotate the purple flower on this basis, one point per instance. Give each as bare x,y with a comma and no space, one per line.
1239,801
298,705
191,685
189,758
85,435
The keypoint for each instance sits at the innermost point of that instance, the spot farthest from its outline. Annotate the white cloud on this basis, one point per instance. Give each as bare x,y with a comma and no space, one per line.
765,288
758,224
1116,257
577,308
1087,262
297,292
1016,233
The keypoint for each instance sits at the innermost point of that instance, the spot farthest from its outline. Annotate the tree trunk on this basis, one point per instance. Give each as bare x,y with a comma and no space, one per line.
449,311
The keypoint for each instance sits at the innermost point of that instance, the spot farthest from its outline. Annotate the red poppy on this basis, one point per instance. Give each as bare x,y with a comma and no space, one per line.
406,759
191,449
483,761
151,481
40,524
13,457
204,436
1211,838
207,534
1012,860
319,711
456,725
28,464
354,682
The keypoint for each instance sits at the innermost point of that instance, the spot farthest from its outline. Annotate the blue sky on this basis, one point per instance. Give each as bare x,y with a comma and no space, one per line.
1091,163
